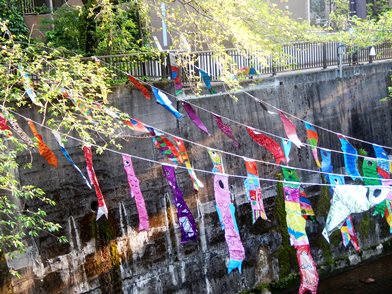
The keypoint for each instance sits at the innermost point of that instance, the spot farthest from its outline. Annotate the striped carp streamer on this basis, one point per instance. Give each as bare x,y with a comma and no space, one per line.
313,141
253,191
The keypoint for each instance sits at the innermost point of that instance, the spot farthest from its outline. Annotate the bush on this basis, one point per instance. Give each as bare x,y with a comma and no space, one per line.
11,14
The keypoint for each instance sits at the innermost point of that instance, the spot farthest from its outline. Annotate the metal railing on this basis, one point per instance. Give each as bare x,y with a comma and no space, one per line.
26,6
145,66
292,57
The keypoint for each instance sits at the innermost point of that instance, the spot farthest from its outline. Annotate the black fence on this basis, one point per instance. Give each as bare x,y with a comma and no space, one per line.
146,66
298,56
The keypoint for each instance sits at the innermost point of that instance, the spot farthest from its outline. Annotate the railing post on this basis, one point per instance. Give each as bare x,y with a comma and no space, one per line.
273,66
169,68
144,71
324,55
162,61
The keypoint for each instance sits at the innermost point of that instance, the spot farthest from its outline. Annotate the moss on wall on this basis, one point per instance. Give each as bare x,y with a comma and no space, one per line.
366,225
323,202
5,276
285,253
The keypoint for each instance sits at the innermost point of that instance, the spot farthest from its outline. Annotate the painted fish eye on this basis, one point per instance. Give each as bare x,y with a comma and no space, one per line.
221,184
377,192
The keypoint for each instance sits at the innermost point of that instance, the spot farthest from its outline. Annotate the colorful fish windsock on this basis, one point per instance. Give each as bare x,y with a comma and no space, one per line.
326,162
102,209
167,148
295,222
348,199
226,211
175,75
383,170
226,129
136,125
164,101
27,84
186,221
290,129
197,184
313,141
206,78
372,178
68,157
290,175
348,234
4,126
269,144
306,205
140,87
307,269
286,144
43,149
296,225
388,214
194,117
253,191
370,174
382,161
217,161
350,158
347,229
136,193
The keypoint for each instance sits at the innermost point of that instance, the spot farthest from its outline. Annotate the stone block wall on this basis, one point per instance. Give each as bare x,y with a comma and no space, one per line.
112,257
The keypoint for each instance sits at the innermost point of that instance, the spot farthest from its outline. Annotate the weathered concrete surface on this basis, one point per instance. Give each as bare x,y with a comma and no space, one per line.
112,257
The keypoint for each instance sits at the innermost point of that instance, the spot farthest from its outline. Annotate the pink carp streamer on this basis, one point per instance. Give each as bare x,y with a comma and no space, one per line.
290,129
136,193
226,213
102,209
